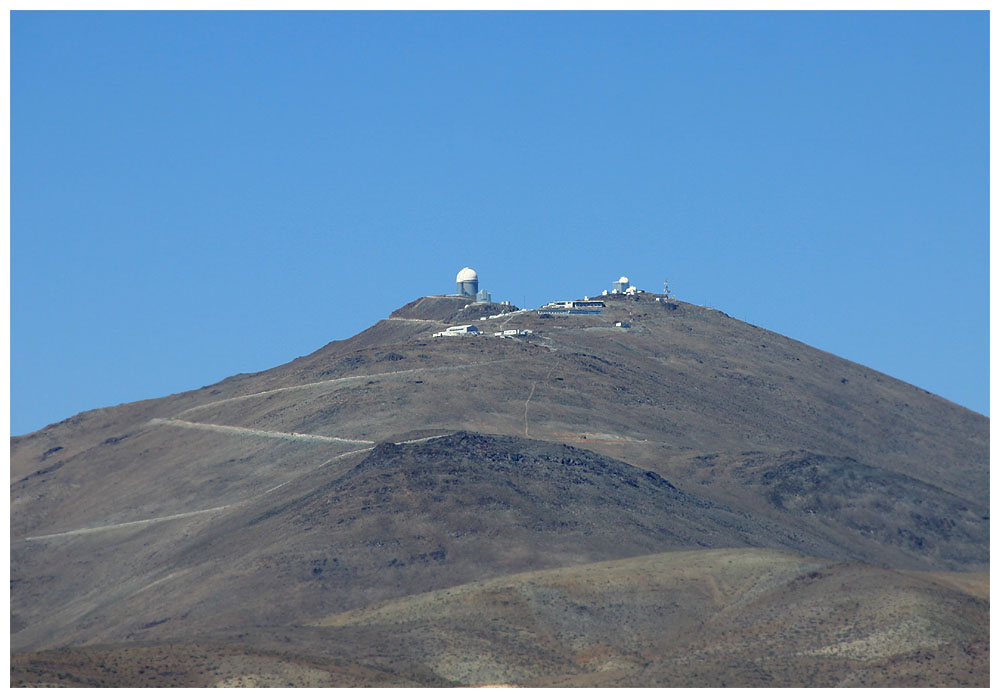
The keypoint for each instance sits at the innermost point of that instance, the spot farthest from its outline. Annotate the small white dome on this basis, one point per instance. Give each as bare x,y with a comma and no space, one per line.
467,274
623,280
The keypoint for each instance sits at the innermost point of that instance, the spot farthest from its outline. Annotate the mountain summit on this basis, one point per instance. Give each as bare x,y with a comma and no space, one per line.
647,493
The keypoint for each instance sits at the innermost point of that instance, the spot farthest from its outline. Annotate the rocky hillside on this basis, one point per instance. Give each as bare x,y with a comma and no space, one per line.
396,468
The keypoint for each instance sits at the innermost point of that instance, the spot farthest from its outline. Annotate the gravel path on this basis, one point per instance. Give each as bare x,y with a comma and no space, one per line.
226,429
346,381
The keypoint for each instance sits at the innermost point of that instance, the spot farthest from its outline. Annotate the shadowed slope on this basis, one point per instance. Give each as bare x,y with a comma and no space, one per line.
405,519
859,512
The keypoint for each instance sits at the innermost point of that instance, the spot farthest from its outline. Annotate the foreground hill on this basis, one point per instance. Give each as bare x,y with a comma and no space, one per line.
728,617
392,468
680,619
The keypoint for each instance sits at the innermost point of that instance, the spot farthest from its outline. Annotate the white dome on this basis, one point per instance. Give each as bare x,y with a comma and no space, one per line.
623,280
467,274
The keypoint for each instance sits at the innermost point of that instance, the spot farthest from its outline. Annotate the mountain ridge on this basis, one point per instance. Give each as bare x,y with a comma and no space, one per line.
343,479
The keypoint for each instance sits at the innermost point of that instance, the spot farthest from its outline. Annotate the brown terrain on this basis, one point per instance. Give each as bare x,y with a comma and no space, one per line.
690,501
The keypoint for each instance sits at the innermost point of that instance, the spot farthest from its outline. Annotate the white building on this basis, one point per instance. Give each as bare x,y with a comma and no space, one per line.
459,331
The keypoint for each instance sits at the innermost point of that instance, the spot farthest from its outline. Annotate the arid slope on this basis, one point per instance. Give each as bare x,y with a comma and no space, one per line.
393,464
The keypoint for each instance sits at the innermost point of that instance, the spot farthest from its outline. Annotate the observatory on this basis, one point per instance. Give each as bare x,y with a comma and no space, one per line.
467,282
621,285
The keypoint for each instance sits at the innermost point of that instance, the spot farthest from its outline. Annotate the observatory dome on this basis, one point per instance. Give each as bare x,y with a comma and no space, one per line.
623,280
467,274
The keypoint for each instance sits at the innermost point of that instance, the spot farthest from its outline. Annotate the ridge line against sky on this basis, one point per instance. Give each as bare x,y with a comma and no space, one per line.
195,195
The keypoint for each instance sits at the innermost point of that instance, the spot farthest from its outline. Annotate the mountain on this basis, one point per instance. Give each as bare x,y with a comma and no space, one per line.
685,500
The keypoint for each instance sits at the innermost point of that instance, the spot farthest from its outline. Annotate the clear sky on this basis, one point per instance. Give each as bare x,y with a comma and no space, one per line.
195,195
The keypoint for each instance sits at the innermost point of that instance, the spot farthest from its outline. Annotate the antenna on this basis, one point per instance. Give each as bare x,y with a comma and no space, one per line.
666,289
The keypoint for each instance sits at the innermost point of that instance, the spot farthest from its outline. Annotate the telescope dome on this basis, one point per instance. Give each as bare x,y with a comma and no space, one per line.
467,274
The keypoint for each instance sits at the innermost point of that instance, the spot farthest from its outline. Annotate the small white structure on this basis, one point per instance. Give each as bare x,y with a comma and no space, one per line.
512,333
622,324
587,303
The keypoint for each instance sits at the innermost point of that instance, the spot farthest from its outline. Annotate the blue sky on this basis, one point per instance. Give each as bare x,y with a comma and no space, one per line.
195,195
